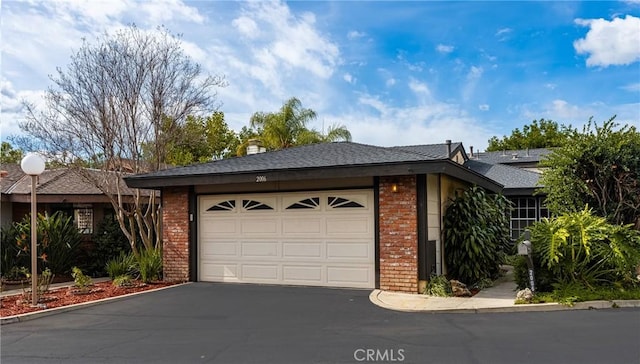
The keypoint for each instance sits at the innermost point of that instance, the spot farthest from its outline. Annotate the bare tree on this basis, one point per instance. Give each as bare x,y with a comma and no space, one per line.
112,99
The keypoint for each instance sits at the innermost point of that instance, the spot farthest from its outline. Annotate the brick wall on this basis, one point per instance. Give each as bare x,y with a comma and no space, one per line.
175,233
398,234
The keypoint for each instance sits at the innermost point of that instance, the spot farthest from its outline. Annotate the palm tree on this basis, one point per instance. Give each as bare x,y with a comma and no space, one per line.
288,127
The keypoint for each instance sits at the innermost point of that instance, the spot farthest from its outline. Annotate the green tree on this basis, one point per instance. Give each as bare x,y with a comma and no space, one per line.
539,134
8,155
199,140
600,168
288,127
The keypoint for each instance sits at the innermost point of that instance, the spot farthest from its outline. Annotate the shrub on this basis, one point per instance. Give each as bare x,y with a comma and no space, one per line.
150,265
11,257
476,235
80,280
58,241
580,248
109,243
124,280
123,264
439,286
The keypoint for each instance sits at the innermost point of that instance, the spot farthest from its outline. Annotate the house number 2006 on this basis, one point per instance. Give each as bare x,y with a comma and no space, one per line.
260,179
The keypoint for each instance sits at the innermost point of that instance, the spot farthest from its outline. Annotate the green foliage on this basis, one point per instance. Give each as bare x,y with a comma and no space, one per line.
540,134
599,168
123,264
58,241
109,242
80,280
570,293
476,235
199,140
544,278
8,155
11,257
439,286
581,248
150,265
124,280
288,127
16,273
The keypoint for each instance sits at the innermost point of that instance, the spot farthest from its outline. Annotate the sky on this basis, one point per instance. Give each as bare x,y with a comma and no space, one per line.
394,73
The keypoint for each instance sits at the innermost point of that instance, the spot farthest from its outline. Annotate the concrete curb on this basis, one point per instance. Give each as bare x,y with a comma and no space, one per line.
534,307
54,311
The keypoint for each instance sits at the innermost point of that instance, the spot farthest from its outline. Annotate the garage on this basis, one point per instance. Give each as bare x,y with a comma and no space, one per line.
317,238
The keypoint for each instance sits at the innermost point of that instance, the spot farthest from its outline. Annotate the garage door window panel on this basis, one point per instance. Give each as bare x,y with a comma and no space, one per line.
340,203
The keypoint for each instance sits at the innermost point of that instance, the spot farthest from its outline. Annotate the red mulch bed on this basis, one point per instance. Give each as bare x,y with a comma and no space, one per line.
19,303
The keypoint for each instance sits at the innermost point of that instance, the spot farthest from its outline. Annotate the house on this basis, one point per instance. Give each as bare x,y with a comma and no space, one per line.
519,172
62,189
336,214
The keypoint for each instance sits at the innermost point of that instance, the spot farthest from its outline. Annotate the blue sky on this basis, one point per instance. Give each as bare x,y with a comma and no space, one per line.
395,73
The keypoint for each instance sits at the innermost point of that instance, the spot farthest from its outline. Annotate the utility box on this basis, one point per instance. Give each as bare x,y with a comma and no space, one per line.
524,248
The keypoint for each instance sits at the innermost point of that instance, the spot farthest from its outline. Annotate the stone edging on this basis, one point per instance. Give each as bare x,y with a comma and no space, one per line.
533,307
53,311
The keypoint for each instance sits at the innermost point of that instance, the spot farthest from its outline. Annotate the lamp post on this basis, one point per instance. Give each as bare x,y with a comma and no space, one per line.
33,165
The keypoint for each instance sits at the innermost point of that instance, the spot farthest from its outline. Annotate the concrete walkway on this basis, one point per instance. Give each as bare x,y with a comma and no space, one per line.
499,298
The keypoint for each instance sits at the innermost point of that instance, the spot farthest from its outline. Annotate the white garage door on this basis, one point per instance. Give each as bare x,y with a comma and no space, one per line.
304,238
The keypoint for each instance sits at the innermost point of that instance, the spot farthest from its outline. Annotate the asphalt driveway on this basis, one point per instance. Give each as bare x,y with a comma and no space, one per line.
228,323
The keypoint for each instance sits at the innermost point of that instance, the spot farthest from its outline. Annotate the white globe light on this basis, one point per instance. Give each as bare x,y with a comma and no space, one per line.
32,164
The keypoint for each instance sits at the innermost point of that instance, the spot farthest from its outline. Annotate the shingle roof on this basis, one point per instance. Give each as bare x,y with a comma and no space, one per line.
436,151
14,173
509,177
61,181
308,156
513,156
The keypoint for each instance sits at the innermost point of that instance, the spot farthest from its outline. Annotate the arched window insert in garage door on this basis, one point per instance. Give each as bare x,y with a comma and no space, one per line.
229,205
251,205
309,203
339,202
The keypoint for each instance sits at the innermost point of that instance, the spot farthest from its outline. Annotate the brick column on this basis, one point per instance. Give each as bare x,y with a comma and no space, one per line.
398,223
175,233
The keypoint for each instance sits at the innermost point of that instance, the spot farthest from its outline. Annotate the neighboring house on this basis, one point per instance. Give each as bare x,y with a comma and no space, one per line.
60,189
336,214
519,172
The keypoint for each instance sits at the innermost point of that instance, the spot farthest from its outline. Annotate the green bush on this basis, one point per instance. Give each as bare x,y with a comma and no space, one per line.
11,257
476,235
109,242
80,280
124,280
58,241
439,286
150,265
123,264
580,248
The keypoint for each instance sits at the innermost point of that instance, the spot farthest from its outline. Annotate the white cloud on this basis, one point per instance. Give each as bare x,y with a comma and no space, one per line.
632,87
390,82
354,34
473,77
442,48
483,107
419,87
348,78
246,26
503,31
607,43
550,86
381,123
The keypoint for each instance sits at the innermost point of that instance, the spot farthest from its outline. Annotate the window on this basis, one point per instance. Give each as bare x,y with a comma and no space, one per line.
526,211
339,202
251,205
309,203
83,218
229,205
